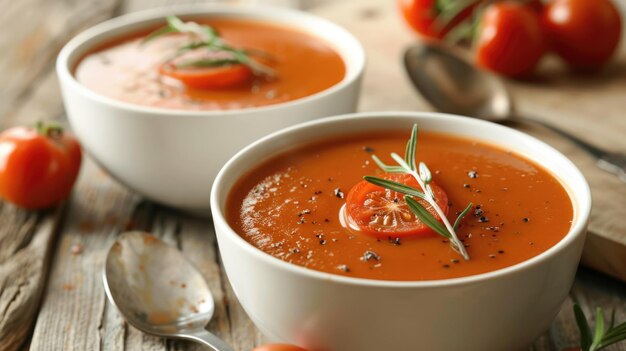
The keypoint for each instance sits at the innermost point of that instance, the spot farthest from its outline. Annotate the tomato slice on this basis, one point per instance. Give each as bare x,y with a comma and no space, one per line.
221,77
381,212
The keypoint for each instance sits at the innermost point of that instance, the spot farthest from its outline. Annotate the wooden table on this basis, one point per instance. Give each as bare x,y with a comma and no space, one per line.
51,295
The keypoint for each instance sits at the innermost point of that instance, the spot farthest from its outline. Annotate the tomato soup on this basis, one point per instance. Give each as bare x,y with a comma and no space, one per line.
291,208
128,69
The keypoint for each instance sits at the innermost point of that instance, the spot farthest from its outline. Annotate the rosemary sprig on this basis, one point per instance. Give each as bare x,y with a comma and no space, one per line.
204,37
423,176
601,337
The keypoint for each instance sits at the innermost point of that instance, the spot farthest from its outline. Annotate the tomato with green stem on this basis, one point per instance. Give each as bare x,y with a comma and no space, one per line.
510,39
38,166
584,33
381,212
434,19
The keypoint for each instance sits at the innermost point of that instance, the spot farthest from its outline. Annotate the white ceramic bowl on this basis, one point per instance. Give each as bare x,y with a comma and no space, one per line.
504,310
172,156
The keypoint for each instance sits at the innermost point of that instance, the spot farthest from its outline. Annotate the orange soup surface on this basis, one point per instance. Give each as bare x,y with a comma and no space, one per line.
128,70
289,207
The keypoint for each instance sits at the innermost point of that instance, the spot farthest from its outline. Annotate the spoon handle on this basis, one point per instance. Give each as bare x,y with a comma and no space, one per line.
613,162
208,339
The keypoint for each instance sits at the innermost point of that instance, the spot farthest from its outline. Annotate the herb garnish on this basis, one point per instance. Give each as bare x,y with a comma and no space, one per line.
423,176
205,37
600,338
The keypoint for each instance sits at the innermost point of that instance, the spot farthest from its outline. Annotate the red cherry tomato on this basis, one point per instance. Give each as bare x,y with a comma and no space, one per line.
38,166
383,213
278,347
221,77
585,33
510,40
421,15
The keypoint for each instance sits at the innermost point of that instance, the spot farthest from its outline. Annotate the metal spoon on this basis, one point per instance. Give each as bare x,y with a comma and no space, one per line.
453,85
158,290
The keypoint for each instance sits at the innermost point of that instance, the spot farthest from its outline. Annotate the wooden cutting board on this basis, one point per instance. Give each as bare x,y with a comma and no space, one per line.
592,107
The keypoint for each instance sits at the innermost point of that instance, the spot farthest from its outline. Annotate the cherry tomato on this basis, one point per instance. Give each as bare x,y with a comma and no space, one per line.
38,166
421,15
382,212
278,347
585,33
221,77
510,39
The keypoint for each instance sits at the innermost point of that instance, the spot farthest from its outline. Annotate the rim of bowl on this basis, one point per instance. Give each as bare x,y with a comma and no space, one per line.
353,59
581,204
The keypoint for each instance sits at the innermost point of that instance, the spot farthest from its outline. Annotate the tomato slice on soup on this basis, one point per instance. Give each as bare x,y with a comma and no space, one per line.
220,77
382,212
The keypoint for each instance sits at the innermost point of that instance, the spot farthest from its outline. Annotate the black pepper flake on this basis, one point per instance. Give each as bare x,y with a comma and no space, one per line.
330,179
370,255
526,219
338,193
478,212
301,221
455,261
466,186
317,192
326,220
446,266
492,256
295,250
368,149
478,207
395,241
500,252
319,235
343,267
472,174
322,242
483,219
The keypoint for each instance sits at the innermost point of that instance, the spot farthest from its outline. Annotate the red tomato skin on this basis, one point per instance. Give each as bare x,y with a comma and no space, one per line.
584,33
37,172
511,40
421,16
216,78
278,347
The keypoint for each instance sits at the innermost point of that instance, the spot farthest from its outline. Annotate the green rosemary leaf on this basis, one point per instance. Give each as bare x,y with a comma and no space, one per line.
409,152
177,24
613,335
599,330
425,217
425,174
207,63
395,186
462,215
612,324
387,168
583,327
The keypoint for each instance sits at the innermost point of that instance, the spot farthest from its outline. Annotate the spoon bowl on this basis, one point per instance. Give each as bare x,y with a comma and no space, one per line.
452,84
158,290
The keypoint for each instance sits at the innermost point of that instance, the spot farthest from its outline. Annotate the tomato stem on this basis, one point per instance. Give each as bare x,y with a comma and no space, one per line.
51,129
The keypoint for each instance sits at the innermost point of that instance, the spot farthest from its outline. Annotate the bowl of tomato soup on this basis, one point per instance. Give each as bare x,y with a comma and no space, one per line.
324,259
162,98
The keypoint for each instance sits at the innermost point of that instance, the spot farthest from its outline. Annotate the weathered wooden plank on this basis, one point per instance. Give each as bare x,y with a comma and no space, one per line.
24,243
37,29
